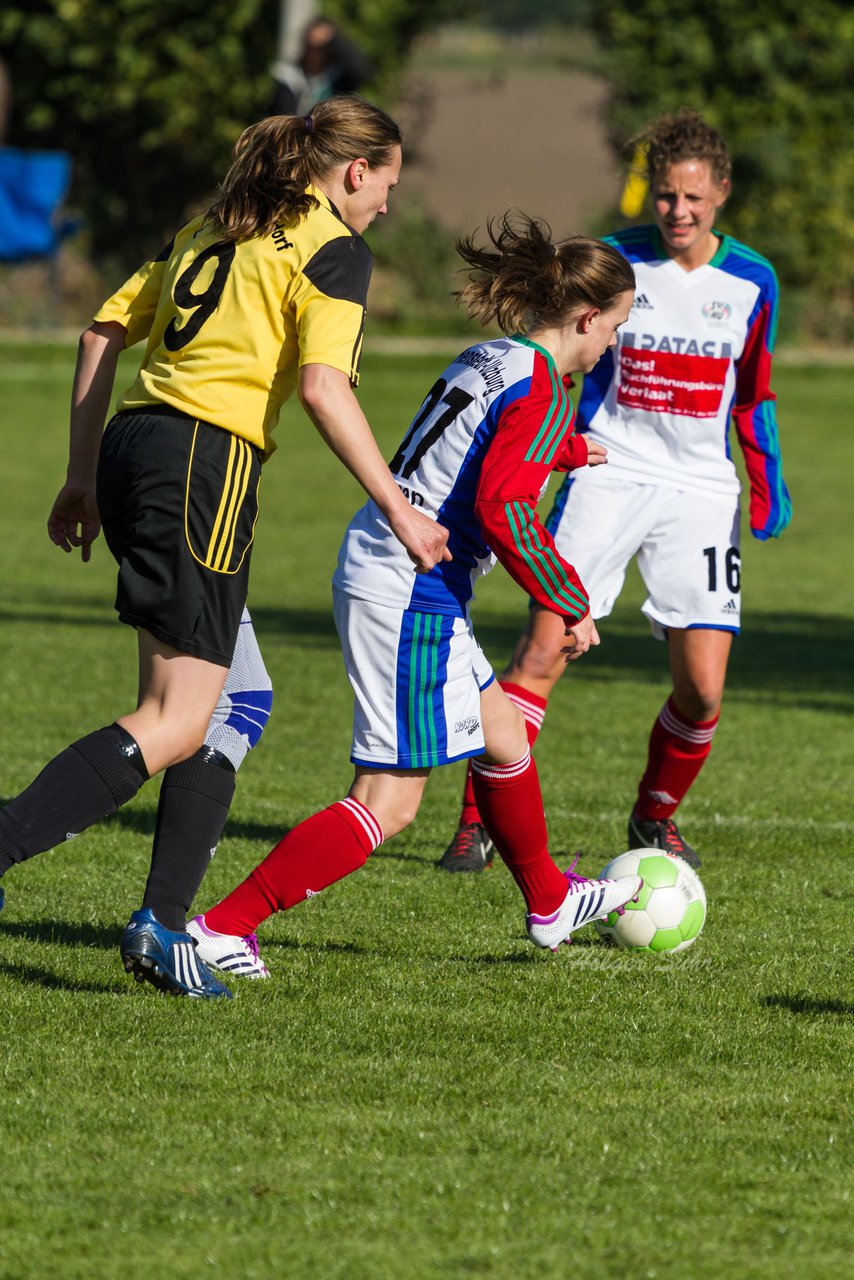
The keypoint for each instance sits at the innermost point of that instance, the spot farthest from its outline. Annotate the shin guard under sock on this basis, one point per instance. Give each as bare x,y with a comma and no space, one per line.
195,798
83,784
533,708
678,749
511,807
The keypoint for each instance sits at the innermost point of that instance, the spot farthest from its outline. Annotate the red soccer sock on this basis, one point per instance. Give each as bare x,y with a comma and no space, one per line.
510,801
533,708
321,850
678,749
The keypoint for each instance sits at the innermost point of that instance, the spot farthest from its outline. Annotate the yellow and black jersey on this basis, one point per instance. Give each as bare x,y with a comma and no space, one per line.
229,324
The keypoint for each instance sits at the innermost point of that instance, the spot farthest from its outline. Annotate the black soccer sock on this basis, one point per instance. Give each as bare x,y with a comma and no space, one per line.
194,802
84,783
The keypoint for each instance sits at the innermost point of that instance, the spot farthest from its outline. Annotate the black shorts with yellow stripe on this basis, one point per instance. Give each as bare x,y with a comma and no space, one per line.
178,501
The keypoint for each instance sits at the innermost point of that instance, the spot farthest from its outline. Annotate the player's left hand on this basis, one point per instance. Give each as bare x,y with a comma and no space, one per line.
74,508
582,635
596,453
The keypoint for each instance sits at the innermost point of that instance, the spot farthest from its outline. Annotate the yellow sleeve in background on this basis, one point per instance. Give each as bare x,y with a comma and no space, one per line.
636,185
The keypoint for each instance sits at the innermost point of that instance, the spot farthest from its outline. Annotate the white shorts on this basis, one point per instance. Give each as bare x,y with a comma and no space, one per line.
417,680
687,548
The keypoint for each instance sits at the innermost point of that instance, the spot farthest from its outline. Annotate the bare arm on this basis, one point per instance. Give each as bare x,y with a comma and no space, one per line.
74,507
328,399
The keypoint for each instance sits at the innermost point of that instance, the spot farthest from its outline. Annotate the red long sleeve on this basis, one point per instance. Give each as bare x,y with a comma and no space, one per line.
534,437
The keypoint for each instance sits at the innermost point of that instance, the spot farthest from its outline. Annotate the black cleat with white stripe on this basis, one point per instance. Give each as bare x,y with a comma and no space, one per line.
651,833
166,959
470,850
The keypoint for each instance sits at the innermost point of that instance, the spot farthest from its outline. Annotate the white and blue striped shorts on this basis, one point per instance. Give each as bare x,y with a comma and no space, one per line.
417,680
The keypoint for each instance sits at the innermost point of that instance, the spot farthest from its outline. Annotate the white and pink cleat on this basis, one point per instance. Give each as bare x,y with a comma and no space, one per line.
227,953
585,901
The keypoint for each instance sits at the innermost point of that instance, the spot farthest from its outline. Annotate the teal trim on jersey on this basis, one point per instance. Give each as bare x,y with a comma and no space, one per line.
556,415
541,560
723,248
546,444
548,421
650,233
780,513
745,251
528,342
739,250
719,254
632,234
771,336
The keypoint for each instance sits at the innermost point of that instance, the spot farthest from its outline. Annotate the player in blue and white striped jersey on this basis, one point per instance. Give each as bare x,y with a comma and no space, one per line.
475,458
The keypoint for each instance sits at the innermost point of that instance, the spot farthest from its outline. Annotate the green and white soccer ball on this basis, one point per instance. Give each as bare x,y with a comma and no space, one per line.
671,907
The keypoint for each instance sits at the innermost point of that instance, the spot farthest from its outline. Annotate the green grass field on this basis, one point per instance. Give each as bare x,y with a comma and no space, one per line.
417,1092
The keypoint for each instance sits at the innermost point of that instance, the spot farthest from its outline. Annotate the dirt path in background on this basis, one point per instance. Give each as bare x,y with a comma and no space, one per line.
478,143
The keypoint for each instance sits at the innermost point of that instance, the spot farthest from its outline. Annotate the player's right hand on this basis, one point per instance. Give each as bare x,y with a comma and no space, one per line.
73,520
425,540
597,454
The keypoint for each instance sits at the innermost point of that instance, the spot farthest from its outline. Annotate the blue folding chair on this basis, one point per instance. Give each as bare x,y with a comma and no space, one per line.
33,185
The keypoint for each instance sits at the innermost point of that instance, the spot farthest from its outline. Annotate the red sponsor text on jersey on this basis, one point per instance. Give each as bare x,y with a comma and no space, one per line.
670,382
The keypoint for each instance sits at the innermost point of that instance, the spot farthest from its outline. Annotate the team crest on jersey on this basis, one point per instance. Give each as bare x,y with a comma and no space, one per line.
717,310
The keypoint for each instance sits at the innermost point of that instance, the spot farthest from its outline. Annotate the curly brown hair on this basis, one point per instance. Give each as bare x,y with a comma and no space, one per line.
276,159
526,281
670,139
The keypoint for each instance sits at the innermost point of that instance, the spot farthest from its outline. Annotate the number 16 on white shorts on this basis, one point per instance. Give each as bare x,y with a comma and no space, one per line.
687,549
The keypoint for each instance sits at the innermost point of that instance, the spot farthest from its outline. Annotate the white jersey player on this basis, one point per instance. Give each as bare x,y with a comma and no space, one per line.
475,459
694,356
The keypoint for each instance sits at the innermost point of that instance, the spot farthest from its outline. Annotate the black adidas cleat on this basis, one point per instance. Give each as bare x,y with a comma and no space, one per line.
470,850
652,833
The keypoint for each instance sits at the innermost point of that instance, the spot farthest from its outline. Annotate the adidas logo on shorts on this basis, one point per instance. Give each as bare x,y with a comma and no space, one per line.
729,607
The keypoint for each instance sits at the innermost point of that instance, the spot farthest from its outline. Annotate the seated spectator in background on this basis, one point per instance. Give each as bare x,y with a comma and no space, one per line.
329,64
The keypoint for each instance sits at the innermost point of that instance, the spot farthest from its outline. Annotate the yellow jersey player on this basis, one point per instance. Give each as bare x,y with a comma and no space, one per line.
263,294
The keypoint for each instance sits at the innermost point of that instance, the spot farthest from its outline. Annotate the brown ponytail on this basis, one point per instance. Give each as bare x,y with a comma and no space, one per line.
277,158
527,282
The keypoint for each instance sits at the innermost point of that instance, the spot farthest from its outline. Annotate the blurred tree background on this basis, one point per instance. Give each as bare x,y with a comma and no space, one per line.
776,77
149,95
